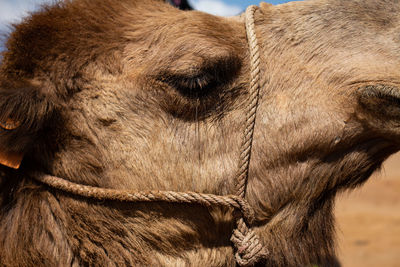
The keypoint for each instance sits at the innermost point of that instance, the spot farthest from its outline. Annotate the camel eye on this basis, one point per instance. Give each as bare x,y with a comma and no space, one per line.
202,80
193,87
193,96
193,90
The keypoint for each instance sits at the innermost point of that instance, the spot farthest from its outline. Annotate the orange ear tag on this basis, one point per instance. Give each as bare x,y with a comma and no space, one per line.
10,159
9,124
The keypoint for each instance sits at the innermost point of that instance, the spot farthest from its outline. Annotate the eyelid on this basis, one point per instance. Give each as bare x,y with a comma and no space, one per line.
197,81
191,87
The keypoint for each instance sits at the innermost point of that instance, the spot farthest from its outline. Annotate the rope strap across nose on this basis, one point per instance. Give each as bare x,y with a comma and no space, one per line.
248,247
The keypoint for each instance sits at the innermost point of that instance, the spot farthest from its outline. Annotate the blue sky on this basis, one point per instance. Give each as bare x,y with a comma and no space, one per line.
228,7
13,10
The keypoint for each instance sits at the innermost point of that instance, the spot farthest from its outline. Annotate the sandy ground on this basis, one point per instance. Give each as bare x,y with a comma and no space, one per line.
369,221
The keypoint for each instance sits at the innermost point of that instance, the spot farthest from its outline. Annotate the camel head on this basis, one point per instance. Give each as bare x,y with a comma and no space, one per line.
139,95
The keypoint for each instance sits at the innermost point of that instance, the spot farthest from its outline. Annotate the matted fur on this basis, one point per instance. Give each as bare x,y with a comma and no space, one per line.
135,94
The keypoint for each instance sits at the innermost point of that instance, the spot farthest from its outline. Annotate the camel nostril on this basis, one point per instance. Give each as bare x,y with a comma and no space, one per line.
381,99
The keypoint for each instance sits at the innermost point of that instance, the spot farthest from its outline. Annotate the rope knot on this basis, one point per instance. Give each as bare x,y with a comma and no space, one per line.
245,211
249,249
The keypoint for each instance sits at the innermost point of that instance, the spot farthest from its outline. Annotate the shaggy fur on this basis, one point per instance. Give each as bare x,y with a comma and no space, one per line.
118,94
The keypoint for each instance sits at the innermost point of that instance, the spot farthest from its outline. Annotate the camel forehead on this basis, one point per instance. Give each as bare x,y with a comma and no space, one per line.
54,33
74,32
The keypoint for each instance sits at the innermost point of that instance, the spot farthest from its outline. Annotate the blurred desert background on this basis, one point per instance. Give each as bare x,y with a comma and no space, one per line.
368,220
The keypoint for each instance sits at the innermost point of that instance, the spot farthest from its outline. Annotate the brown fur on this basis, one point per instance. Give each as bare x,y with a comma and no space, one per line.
118,94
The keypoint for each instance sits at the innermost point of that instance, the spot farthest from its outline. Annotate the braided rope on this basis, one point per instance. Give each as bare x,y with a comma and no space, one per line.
249,249
248,246
244,160
102,194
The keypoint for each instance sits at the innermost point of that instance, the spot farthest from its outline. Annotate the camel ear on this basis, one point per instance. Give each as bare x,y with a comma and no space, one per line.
181,4
24,110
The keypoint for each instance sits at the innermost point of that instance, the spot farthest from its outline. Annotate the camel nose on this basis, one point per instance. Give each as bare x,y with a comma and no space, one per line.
381,100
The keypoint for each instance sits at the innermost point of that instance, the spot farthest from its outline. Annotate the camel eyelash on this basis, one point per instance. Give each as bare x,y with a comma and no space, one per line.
192,87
